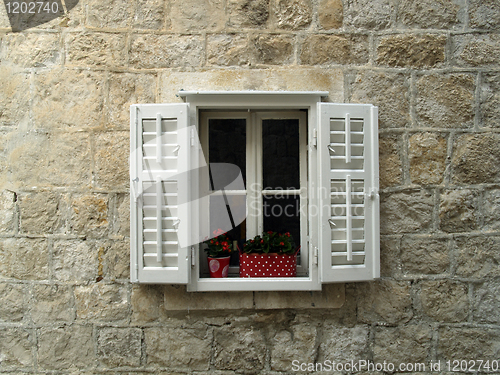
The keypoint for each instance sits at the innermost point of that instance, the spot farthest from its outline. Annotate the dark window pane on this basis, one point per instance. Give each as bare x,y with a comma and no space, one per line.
280,153
282,214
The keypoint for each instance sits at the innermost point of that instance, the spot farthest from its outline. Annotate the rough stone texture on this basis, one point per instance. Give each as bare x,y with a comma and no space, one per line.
7,212
342,344
427,156
296,343
197,15
424,255
227,50
146,303
484,14
445,101
468,344
293,14
248,13
116,260
486,302
444,300
118,347
458,211
330,14
111,160
14,96
64,348
12,302
40,212
101,302
31,50
273,49
406,212
390,161
176,298
431,14
52,303
475,159
389,257
330,297
122,216
89,215
95,49
150,15
24,259
380,89
478,257
335,49
491,210
15,348
74,261
365,14
110,14
490,100
476,50
187,347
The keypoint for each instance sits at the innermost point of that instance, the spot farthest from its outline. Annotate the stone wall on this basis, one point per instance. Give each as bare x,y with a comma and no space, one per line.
432,67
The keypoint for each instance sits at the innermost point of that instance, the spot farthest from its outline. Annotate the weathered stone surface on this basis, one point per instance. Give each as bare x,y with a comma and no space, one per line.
490,100
330,14
445,101
74,261
7,212
12,302
458,211
384,301
476,50
151,15
101,302
165,51
112,151
335,49
227,50
178,348
381,89
52,303
248,13
116,260
342,344
484,14
404,344
24,258
273,49
491,209
95,49
487,302
431,14
89,215
14,97
294,14
389,257
478,257
197,15
109,14
468,344
390,161
297,343
147,303
411,51
406,212
424,255
119,347
121,223
41,213
427,156
31,49
176,298
15,348
330,297
67,99
69,347
239,348
366,14
475,159
444,300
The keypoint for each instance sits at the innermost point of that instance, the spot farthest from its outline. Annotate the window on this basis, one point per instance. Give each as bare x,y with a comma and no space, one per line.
307,167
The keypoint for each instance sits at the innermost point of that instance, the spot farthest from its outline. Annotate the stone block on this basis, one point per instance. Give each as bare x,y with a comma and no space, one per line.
478,257
445,100
411,51
89,215
12,302
112,150
463,343
31,50
476,50
342,344
189,16
274,49
248,13
7,212
404,344
69,347
475,159
390,149
335,49
444,300
330,14
14,97
427,156
16,348
178,348
458,211
119,347
491,210
102,302
24,258
115,260
147,303
424,255
366,14
406,212
228,50
95,49
484,14
121,223
177,298
239,348
428,14
67,99
165,51
389,257
110,14
151,15
384,301
41,213
293,15
490,100
332,296
51,303
74,261
486,303
389,91
295,343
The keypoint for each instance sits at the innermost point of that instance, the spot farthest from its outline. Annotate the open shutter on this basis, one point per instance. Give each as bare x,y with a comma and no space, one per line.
160,219
349,201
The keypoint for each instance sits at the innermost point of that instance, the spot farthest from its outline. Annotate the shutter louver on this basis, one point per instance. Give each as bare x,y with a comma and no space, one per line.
349,201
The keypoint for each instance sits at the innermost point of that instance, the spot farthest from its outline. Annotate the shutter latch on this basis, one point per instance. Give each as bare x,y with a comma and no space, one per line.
315,138
315,255
134,189
193,259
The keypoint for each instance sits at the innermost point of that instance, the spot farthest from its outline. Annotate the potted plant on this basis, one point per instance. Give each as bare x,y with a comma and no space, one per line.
219,252
269,255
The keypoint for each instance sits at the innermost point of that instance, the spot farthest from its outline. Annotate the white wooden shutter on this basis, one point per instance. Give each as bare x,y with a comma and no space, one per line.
160,219
349,201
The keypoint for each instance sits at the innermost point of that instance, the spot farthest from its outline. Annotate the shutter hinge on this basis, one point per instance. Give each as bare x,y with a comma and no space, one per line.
193,259
314,141
192,137
315,255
